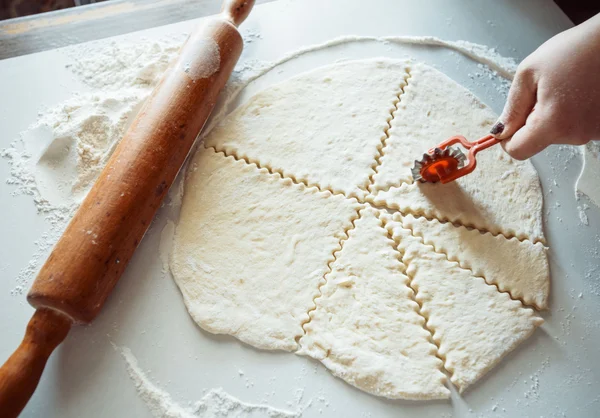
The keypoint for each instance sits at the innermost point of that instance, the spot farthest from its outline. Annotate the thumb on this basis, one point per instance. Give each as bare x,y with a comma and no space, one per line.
520,103
533,137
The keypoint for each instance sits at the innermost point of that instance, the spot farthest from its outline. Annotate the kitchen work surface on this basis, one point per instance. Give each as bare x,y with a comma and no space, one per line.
144,354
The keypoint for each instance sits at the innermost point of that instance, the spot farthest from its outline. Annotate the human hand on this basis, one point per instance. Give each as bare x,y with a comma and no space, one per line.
555,95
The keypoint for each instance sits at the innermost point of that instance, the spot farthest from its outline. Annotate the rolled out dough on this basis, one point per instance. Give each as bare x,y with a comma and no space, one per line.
262,255
367,328
518,267
473,324
251,249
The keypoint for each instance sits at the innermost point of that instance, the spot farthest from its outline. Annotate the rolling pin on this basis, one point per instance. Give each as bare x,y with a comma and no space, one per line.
94,250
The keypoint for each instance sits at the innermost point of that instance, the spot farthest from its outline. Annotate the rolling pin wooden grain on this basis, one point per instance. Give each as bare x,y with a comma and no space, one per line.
94,250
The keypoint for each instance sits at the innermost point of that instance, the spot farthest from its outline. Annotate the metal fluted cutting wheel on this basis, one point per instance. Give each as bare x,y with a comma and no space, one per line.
440,163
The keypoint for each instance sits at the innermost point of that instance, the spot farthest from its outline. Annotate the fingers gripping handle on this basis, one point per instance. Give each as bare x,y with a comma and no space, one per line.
20,375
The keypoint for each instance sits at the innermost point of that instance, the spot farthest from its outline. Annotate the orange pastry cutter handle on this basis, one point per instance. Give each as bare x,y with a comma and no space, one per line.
451,173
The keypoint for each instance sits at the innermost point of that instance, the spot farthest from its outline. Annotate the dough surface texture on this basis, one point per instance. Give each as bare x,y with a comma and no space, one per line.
324,127
302,230
366,327
251,249
518,267
473,324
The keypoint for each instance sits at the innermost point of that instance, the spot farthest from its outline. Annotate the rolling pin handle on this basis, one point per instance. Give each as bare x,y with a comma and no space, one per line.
236,11
20,375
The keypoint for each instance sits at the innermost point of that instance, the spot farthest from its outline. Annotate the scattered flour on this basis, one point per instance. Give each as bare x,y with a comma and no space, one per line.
71,143
505,66
118,64
583,218
250,35
531,395
198,66
216,403
57,159
56,215
249,70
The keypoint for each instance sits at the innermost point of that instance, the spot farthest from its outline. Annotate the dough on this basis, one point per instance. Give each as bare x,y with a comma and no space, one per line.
366,328
473,324
261,254
502,195
251,249
518,267
322,128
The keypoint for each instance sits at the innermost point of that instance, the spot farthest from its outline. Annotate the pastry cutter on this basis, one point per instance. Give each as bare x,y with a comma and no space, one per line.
96,246
445,163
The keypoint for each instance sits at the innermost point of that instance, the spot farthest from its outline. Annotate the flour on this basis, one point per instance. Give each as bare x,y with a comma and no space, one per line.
120,64
250,35
198,66
505,66
75,140
583,218
531,395
58,158
216,403
57,216
43,245
479,53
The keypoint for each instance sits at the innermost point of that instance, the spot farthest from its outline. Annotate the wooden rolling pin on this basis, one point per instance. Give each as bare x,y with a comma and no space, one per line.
98,243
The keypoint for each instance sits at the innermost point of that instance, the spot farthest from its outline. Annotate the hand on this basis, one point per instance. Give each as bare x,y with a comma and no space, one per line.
555,95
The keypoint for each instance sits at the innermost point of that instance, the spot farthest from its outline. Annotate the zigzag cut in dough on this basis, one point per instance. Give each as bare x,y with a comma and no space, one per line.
517,267
324,127
366,327
474,325
502,195
251,249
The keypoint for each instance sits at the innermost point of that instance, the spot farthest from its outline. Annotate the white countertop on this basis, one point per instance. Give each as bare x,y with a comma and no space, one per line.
554,372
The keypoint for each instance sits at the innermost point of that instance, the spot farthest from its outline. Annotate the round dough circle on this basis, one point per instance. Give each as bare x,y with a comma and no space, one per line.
284,240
